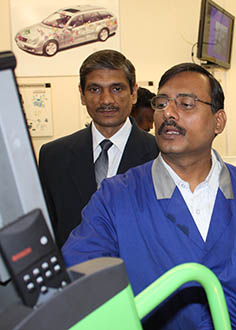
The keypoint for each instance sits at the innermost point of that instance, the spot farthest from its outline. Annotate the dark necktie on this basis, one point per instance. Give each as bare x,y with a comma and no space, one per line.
101,163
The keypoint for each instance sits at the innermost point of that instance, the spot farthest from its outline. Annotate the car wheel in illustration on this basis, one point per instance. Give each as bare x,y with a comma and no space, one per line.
103,34
50,48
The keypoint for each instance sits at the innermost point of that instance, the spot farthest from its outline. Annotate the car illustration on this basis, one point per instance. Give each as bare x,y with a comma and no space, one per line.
67,27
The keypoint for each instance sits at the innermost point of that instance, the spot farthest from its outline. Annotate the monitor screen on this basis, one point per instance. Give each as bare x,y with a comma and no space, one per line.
215,35
20,187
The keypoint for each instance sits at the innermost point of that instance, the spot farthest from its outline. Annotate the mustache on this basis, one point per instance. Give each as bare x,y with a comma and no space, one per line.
171,122
107,107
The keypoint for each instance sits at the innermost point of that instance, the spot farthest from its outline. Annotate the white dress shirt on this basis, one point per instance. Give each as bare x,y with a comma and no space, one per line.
119,140
201,201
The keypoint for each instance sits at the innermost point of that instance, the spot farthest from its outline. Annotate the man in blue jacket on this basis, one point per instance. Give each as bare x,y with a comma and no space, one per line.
178,208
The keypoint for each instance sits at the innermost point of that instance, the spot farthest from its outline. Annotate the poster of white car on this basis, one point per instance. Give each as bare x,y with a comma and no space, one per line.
66,28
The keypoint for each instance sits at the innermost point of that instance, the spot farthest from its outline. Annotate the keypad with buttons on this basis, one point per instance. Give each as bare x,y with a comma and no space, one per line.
49,273
33,259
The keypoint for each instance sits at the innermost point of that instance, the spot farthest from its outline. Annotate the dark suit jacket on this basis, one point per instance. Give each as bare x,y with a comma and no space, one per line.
67,174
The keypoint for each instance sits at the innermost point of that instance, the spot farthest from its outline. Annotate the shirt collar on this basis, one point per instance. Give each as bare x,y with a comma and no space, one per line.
117,139
164,183
211,180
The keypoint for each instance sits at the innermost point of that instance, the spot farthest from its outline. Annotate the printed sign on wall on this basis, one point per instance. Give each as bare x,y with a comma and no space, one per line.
37,107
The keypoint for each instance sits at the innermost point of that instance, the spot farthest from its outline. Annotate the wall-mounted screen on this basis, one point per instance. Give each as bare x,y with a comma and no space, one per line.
215,35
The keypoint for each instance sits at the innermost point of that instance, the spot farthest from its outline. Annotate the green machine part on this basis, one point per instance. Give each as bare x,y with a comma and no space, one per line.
116,314
155,293
100,298
124,311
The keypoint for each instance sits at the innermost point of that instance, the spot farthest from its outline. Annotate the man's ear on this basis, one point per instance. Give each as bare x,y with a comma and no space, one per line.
221,120
82,96
135,94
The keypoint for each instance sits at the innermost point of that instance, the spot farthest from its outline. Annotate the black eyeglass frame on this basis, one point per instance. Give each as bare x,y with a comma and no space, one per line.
193,96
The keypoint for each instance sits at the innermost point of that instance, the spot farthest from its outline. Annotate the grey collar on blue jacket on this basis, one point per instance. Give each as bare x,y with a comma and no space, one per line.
164,185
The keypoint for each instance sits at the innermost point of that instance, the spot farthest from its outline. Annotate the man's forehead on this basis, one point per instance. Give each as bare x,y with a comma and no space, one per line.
186,75
187,81
106,72
106,76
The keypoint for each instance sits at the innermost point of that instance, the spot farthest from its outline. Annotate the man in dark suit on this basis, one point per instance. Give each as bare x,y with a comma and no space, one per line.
67,165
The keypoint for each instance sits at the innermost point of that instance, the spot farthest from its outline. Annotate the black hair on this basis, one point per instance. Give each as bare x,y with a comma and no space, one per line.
107,59
217,94
144,97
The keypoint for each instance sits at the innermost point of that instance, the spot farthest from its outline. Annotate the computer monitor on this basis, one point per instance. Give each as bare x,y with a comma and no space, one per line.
215,35
20,187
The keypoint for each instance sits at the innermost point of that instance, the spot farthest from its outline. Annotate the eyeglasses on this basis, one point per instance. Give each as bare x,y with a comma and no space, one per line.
184,102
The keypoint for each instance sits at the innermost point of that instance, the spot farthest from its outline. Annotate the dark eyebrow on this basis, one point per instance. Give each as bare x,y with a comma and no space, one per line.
93,85
163,95
186,94
179,94
111,85
118,84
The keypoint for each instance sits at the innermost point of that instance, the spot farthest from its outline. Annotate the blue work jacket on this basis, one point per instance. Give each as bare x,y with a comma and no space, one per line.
141,217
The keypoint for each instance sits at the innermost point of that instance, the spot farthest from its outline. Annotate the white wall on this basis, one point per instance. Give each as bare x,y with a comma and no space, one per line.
155,35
